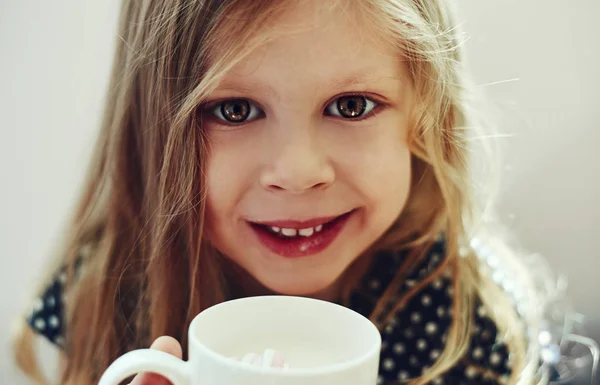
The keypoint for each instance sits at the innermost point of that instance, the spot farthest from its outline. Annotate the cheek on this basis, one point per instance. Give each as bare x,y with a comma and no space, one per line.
387,187
386,180
218,188
377,161
228,170
224,182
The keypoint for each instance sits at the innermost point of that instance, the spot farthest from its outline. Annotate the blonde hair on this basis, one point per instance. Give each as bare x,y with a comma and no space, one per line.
144,202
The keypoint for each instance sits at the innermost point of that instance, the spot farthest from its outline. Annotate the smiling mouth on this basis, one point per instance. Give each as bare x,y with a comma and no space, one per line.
289,232
296,239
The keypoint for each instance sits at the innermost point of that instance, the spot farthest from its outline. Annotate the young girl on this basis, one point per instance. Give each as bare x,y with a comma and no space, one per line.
304,148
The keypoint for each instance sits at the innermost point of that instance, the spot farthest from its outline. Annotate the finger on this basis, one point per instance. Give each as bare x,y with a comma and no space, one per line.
168,345
150,379
164,344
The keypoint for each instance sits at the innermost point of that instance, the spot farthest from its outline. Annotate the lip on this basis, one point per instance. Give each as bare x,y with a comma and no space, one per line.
299,246
298,224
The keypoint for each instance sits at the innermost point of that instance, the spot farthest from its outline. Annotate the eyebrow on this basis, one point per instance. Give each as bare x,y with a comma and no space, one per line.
247,87
359,79
239,84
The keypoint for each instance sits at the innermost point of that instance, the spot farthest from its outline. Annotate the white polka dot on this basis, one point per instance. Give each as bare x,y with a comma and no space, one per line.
426,300
470,372
399,348
435,257
374,284
62,277
415,317
495,359
38,305
430,328
449,290
39,324
53,321
51,301
414,361
503,379
438,381
410,282
389,364
477,353
437,284
434,354
59,341
441,311
421,344
403,375
444,338
389,329
379,380
486,334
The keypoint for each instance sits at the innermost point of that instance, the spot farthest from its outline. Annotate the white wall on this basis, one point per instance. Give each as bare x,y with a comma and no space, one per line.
54,62
552,113
54,59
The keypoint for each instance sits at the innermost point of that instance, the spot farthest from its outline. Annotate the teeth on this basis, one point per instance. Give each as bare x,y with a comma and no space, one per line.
294,232
289,232
306,232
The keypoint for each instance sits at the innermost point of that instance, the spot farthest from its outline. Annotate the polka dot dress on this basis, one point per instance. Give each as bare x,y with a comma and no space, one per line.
413,336
47,314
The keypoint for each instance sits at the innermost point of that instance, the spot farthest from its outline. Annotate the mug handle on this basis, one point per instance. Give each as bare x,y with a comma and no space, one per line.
147,360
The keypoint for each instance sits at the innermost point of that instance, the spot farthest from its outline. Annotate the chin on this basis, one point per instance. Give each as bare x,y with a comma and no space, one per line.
308,287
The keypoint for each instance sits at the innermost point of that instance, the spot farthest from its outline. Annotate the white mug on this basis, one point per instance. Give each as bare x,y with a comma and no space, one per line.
322,344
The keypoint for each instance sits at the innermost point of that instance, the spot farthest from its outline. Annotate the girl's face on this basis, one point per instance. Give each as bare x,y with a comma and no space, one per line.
309,163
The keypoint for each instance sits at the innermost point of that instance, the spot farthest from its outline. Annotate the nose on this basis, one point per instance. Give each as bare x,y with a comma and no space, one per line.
298,163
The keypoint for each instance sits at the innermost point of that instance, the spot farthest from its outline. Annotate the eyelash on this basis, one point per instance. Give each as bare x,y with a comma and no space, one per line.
214,108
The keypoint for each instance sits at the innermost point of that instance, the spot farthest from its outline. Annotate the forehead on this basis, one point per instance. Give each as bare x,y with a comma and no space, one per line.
314,46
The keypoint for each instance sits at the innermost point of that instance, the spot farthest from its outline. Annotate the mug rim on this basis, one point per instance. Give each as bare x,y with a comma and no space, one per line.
375,350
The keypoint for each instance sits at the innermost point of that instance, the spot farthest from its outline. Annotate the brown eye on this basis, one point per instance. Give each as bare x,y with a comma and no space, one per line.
236,111
350,107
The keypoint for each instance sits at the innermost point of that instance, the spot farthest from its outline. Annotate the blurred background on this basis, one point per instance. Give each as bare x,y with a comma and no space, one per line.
536,62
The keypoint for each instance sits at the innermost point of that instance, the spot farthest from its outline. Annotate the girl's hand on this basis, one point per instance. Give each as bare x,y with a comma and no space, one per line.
167,345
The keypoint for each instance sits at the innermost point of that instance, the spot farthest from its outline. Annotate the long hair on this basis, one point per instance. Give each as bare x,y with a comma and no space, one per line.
143,204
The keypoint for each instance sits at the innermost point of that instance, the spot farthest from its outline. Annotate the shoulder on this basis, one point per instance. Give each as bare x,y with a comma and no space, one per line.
47,315
415,333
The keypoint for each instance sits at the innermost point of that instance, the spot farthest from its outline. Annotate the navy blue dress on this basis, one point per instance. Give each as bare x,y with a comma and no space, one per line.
413,339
